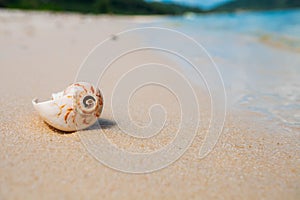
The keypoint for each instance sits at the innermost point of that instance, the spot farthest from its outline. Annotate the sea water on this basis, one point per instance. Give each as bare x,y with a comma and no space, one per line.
258,54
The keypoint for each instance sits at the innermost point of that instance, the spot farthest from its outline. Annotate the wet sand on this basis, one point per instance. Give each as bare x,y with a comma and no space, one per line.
41,53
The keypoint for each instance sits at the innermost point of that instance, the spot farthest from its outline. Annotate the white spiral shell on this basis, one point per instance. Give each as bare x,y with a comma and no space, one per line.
77,107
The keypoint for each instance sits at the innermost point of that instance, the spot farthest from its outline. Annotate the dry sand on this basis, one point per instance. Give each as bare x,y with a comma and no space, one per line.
41,53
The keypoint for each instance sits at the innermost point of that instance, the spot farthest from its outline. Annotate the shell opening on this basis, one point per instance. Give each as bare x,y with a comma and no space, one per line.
89,103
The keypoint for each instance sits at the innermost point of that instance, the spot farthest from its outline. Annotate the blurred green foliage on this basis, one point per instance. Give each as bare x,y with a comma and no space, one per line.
140,7
101,6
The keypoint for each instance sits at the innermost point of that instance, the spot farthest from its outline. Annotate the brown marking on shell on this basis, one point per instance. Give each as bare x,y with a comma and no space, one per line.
60,109
73,119
100,104
98,94
84,121
92,89
59,113
100,101
97,114
67,114
97,111
82,86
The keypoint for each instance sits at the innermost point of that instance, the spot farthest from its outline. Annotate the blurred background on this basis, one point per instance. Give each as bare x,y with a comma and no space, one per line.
172,7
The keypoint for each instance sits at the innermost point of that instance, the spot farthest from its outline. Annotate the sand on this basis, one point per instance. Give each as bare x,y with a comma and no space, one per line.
41,53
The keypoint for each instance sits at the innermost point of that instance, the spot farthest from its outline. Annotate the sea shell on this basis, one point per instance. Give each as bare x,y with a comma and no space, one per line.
77,107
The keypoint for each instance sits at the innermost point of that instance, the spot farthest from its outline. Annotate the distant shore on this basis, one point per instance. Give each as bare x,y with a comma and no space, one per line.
141,7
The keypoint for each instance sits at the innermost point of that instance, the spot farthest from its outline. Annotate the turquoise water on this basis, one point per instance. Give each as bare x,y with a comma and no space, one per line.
258,54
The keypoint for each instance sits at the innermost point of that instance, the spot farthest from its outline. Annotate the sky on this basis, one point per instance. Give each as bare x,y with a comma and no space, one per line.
201,3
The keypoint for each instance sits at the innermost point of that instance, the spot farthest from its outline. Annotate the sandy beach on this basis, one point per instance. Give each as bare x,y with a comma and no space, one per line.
41,53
